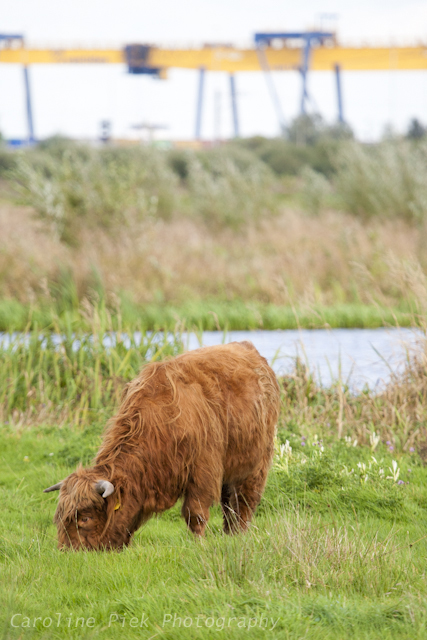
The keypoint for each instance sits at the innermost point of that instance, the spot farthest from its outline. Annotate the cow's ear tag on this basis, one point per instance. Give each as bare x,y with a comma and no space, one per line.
118,505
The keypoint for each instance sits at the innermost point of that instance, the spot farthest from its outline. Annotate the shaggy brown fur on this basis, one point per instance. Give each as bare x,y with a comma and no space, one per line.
200,427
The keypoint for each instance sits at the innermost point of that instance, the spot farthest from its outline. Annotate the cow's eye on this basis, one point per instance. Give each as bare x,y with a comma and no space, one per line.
85,519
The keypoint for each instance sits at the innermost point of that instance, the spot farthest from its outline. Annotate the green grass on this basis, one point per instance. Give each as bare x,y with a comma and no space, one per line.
319,562
337,548
209,315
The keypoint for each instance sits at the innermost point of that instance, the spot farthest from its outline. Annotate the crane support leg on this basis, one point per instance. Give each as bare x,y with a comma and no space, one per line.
199,106
31,138
234,105
339,93
263,63
304,73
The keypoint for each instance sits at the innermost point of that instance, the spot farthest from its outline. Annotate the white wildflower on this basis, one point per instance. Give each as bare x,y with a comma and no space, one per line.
395,471
374,439
349,442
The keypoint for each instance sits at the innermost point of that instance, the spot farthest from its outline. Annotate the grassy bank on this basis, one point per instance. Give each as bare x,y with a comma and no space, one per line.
82,376
208,315
218,237
290,271
337,548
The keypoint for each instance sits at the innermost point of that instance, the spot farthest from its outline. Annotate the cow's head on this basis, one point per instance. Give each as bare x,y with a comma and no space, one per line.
87,513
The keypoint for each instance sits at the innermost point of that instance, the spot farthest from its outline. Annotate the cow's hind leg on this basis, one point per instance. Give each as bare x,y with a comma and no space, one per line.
244,498
227,510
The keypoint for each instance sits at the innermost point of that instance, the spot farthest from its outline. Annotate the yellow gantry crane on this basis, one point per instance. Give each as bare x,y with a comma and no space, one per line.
282,51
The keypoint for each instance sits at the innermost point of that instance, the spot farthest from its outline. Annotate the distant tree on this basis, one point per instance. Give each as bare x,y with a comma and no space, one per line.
310,129
306,129
389,133
416,130
340,131
57,141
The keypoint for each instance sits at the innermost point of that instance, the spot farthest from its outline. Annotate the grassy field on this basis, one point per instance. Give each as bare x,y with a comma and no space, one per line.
330,554
337,548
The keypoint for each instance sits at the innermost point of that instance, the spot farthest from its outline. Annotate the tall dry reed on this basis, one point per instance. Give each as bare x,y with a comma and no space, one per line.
289,259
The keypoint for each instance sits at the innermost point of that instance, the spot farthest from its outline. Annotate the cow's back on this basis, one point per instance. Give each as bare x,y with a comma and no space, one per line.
242,393
215,406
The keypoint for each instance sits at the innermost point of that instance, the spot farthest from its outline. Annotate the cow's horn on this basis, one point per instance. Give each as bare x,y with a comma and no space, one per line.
55,487
105,488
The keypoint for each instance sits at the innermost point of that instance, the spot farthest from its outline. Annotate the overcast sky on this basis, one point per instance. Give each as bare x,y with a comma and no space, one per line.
74,99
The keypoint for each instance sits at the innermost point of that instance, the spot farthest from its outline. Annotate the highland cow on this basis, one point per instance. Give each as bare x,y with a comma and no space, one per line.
200,427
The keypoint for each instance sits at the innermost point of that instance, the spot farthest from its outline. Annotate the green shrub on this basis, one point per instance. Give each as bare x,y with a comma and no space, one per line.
7,161
387,180
315,190
178,160
67,184
285,157
226,194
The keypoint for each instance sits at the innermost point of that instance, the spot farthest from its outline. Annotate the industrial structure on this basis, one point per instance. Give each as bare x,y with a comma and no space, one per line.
282,51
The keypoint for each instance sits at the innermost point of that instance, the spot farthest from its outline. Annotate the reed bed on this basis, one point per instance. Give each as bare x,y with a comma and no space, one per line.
292,262
214,237
384,181
76,373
